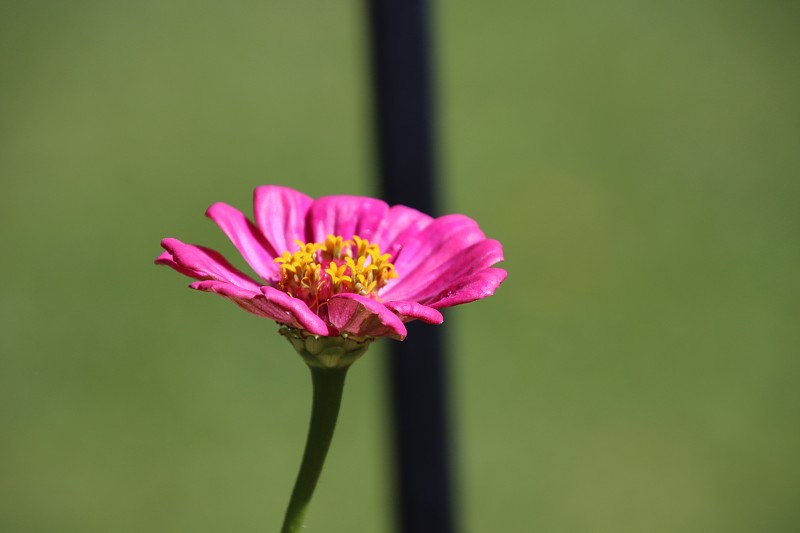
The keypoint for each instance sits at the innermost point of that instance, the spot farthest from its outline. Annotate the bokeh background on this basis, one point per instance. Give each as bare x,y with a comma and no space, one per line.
639,160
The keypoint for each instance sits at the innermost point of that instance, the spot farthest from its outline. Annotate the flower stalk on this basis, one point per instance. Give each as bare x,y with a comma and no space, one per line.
328,386
328,358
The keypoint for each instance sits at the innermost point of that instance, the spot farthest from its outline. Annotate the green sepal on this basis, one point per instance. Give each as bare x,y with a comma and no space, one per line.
326,352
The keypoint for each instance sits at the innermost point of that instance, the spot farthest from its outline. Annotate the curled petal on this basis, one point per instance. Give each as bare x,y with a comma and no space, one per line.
280,214
250,300
408,311
469,289
363,317
294,312
246,237
345,216
202,263
254,301
166,259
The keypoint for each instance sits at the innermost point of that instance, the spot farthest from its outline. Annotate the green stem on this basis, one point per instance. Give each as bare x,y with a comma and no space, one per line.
328,385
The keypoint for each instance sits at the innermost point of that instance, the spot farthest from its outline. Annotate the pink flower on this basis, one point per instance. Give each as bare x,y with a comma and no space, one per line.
343,264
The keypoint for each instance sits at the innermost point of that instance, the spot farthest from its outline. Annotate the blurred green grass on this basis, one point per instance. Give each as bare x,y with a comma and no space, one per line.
637,371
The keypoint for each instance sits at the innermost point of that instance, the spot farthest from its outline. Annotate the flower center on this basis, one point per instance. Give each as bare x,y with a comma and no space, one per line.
318,270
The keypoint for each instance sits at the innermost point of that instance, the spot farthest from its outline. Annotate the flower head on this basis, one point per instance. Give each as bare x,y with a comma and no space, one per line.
343,265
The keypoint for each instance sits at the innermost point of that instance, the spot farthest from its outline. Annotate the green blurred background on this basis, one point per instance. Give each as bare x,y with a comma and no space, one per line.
638,371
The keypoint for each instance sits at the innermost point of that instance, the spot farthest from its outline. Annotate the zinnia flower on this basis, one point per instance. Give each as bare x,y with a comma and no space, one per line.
342,265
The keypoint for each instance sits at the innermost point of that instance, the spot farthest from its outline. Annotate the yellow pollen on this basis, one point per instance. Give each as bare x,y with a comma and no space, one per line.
316,271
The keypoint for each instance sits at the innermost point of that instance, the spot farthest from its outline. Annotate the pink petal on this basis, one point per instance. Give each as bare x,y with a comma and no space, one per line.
202,263
280,213
246,237
402,224
249,300
363,317
345,216
437,273
295,313
166,259
300,316
469,289
439,243
408,311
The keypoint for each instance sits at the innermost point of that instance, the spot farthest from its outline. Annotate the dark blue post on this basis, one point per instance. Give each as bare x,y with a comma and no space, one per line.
401,70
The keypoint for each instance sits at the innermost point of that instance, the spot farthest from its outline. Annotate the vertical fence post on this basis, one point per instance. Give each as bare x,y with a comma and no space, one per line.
401,73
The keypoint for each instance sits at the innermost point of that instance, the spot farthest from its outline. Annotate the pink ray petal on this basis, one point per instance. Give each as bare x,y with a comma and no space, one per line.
444,237
402,224
256,302
436,274
345,216
469,289
246,237
203,263
296,310
440,242
251,301
408,311
363,317
166,259
280,214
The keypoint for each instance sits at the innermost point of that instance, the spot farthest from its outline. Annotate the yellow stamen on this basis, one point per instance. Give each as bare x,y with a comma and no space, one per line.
315,271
